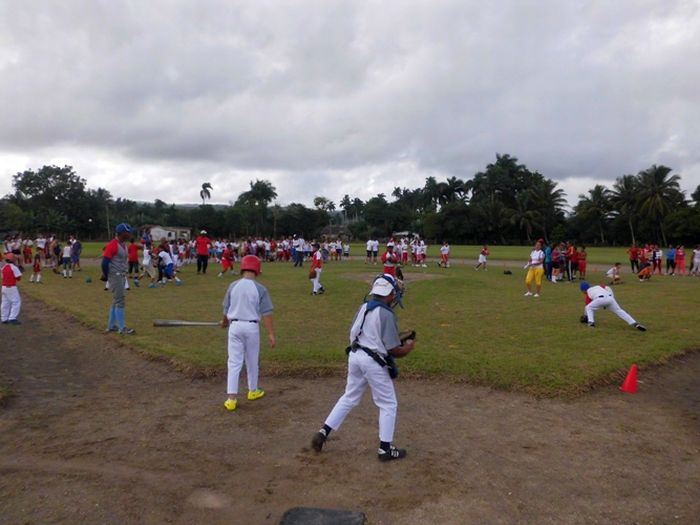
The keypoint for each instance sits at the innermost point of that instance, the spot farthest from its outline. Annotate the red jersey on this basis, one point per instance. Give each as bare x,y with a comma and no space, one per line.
36,267
317,260
227,255
390,260
634,253
10,275
111,248
202,245
133,251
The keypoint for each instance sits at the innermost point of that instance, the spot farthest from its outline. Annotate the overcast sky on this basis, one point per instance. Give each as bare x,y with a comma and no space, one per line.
151,99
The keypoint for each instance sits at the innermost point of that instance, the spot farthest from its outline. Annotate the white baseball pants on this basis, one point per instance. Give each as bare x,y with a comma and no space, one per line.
363,371
610,303
243,346
11,303
316,281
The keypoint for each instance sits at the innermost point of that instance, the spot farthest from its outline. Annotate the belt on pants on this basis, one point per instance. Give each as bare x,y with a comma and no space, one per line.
243,321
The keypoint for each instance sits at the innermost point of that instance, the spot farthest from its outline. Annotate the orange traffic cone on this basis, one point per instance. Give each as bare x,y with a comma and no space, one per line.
630,383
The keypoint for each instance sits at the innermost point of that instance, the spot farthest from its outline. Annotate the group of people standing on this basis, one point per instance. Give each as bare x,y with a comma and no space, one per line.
649,259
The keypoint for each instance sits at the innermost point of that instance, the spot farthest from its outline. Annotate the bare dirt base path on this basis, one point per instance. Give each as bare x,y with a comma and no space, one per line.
96,434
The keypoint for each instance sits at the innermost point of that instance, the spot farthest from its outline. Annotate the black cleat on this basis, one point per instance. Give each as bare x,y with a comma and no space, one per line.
591,325
391,454
317,441
640,327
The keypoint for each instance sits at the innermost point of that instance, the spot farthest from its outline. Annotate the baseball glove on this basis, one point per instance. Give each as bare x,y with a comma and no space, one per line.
584,319
407,334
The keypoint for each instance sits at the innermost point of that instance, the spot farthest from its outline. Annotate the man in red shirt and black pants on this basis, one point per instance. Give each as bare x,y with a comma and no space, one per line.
202,244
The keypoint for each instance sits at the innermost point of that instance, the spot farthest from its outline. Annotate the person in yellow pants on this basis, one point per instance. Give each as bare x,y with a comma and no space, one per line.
535,270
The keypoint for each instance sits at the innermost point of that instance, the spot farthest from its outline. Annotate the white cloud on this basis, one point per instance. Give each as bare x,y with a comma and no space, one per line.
151,99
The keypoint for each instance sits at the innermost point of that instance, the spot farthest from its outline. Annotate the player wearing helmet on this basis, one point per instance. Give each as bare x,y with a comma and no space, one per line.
602,297
246,302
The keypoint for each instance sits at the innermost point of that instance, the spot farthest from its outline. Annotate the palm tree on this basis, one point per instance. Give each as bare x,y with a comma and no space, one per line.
524,216
549,202
205,193
596,206
625,199
658,194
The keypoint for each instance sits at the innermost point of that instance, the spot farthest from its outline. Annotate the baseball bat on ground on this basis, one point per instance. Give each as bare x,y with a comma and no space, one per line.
173,323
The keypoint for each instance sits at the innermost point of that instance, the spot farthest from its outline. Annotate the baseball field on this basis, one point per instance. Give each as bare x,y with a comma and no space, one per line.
473,327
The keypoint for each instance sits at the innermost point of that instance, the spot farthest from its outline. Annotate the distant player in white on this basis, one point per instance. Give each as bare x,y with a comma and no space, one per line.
444,255
602,297
246,302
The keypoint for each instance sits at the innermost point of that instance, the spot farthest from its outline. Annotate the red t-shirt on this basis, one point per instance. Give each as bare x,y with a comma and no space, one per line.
111,249
317,260
634,253
9,277
133,250
202,245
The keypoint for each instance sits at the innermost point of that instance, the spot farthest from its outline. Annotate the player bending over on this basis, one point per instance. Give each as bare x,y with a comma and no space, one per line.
601,296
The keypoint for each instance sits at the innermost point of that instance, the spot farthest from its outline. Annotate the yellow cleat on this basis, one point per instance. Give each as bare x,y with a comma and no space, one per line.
230,404
255,394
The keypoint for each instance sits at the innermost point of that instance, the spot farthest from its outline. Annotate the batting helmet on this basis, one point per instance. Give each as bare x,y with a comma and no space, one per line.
10,257
123,228
251,263
584,286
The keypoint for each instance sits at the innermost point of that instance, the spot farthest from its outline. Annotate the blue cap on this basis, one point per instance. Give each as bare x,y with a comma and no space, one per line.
584,286
123,228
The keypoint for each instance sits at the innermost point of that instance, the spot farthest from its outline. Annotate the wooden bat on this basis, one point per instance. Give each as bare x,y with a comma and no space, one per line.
174,323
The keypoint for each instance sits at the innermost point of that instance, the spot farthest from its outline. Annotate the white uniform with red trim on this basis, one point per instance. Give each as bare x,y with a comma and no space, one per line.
11,300
601,296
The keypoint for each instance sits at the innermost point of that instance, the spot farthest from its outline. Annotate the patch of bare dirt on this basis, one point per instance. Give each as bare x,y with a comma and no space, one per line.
96,434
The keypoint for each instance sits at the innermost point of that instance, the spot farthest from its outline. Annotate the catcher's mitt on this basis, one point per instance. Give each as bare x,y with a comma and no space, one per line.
584,319
406,335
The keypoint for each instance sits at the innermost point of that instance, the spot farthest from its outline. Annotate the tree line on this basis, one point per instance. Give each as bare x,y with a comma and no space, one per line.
506,203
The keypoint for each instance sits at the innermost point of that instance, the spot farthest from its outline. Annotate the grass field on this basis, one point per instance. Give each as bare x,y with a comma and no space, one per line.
462,251
472,326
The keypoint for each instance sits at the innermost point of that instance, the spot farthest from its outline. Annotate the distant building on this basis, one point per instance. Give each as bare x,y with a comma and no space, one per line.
158,232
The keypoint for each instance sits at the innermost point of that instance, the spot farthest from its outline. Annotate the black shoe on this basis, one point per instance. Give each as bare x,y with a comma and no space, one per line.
640,327
591,325
317,441
14,321
391,454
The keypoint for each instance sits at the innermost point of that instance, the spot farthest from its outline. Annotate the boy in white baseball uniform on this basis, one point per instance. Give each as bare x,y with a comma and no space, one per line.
245,304
11,300
601,296
374,336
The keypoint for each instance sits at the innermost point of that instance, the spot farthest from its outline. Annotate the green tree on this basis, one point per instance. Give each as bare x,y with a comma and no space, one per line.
625,201
549,202
596,208
205,192
255,201
659,193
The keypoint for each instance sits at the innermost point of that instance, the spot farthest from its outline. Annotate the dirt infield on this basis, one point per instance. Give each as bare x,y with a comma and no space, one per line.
93,433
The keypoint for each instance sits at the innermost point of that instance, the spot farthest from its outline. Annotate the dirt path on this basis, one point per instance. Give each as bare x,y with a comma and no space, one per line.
96,434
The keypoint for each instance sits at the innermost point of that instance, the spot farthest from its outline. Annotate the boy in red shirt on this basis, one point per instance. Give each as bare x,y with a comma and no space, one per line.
133,257
11,300
390,260
226,260
315,272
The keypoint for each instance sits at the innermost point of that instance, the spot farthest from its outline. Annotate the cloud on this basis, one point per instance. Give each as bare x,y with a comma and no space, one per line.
151,99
